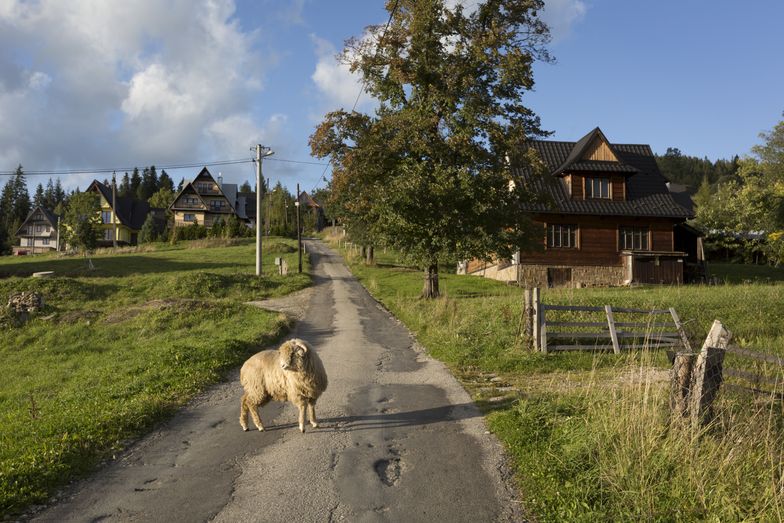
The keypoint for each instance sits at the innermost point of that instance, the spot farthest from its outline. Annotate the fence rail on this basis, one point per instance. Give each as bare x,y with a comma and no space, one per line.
658,332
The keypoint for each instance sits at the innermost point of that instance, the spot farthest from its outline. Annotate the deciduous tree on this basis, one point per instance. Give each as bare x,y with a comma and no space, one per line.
427,172
82,221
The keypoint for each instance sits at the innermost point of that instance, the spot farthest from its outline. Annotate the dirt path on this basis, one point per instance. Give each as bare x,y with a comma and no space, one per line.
400,439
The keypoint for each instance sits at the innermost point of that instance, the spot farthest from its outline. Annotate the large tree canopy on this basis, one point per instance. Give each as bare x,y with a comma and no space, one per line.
428,172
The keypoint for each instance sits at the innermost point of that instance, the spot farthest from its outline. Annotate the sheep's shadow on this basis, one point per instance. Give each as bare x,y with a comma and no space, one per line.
386,420
411,418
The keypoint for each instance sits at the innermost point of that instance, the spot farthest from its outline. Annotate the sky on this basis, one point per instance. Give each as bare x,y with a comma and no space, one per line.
110,83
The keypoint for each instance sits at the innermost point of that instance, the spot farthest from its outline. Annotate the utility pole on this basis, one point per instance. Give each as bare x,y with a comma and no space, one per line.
114,206
299,234
261,152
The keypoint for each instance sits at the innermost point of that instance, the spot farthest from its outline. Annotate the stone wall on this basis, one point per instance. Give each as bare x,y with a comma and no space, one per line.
582,275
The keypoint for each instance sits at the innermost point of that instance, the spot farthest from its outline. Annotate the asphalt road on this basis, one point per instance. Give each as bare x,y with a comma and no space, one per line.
400,440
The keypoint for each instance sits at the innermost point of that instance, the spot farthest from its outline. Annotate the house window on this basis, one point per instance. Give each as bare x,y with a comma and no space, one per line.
189,217
216,205
205,187
108,234
561,236
39,228
191,201
634,238
106,217
597,188
45,241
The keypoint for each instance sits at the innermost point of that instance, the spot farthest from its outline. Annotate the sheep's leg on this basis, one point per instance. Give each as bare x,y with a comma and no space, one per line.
312,413
253,408
301,407
244,412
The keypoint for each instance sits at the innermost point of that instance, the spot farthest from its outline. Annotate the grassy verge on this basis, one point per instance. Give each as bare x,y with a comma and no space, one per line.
120,347
590,433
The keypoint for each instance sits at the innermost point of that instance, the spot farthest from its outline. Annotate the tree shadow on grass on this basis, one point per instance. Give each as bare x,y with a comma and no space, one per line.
120,266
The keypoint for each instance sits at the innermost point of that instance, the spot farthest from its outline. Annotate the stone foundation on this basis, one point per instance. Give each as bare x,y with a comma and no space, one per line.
582,275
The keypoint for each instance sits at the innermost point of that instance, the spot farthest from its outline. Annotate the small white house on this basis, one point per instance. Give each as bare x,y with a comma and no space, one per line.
38,233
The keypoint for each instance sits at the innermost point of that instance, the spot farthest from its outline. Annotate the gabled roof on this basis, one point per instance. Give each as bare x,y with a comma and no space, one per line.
646,189
129,211
190,186
308,200
48,216
227,190
576,160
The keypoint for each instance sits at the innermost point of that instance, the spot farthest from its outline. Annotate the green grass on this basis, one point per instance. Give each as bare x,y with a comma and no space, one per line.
590,434
119,348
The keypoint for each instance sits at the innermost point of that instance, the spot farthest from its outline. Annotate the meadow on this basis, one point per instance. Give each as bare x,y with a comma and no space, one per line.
590,434
120,347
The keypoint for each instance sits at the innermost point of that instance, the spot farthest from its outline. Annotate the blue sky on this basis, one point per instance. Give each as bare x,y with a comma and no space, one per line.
137,83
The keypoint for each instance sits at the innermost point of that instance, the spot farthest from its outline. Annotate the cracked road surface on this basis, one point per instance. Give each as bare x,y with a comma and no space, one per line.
400,440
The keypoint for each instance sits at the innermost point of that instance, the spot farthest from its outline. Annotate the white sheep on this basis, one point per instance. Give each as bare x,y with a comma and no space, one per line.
292,373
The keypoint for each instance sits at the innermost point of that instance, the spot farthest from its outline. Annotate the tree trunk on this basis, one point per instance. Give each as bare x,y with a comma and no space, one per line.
370,255
430,290
362,251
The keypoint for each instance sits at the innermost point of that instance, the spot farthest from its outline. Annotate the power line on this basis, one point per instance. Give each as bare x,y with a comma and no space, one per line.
361,90
172,167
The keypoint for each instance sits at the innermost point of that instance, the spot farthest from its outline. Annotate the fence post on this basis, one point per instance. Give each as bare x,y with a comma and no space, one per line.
613,333
681,332
680,380
528,313
537,312
707,375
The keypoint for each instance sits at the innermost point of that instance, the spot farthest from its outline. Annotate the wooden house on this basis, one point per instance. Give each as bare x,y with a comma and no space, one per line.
122,217
609,219
38,233
205,201
319,219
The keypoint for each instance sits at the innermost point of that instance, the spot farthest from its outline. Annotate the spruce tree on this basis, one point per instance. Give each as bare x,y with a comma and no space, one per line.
125,186
38,198
49,198
165,182
136,181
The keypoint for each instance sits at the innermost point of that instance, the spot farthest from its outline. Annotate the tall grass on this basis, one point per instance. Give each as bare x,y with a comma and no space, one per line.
591,434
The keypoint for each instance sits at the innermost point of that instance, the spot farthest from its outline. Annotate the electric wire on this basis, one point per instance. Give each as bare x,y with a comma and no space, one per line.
359,94
171,167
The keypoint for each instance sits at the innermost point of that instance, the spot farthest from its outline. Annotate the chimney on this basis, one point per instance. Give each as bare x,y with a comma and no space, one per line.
220,180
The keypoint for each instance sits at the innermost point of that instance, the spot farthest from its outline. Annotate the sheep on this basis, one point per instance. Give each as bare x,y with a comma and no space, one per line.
292,373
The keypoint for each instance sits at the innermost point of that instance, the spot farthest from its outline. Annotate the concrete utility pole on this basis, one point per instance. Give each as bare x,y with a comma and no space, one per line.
261,152
114,207
299,233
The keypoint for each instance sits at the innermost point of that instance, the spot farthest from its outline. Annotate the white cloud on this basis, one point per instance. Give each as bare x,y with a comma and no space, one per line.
334,79
562,15
96,83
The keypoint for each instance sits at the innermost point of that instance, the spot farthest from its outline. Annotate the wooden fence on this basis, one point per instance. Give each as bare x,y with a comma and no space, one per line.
696,378
658,328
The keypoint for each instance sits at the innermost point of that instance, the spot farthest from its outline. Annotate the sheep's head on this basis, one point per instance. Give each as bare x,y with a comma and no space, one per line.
293,355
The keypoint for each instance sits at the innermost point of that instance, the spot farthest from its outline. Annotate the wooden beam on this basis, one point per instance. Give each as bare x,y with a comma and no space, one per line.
611,323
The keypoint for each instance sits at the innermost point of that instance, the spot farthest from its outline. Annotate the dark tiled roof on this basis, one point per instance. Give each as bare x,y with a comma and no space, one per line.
646,189
49,215
130,211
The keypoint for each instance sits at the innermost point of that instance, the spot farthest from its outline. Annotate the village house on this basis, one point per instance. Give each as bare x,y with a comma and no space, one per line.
319,219
609,220
122,217
38,233
205,201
